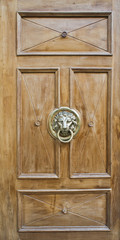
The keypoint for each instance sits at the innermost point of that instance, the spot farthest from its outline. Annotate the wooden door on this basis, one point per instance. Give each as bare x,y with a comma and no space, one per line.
60,54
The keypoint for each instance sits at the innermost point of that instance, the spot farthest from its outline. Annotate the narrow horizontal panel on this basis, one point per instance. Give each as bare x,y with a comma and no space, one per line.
52,33
63,210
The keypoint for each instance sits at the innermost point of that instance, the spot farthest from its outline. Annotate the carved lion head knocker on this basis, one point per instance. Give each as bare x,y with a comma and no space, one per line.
64,123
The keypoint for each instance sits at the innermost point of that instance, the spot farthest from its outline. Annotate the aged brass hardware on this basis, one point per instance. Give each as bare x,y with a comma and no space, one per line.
64,210
37,123
64,124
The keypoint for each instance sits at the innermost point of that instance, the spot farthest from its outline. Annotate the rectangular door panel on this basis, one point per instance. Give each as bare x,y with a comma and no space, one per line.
60,119
90,94
37,94
64,33
64,210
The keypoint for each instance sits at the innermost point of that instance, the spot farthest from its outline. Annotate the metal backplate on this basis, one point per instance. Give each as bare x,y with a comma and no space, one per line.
64,123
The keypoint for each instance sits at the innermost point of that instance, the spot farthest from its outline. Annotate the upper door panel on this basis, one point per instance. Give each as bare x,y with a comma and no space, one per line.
64,33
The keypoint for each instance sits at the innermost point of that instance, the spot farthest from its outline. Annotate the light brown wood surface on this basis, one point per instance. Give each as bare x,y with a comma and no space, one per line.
85,33
51,190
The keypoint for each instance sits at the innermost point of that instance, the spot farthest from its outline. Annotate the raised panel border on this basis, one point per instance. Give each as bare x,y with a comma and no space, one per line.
21,175
22,228
107,14
109,121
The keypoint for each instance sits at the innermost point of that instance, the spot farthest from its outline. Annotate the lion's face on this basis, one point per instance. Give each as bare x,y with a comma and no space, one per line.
64,121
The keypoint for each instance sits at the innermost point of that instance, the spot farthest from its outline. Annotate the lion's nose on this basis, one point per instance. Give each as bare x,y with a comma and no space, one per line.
64,125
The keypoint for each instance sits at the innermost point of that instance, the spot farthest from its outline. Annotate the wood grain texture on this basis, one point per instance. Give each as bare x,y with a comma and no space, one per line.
8,121
77,5
76,61
67,235
90,94
116,127
9,184
63,210
41,33
38,93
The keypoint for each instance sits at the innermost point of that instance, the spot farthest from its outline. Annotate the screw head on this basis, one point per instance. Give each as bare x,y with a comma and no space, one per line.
64,210
37,123
64,34
91,124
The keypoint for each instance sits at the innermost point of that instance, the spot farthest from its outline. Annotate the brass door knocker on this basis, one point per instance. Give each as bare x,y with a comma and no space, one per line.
64,124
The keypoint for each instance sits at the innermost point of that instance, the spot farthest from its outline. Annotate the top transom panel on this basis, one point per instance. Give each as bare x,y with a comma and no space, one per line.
53,33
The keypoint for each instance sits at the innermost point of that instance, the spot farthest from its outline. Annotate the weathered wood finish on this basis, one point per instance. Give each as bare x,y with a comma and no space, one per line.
71,199
37,155
90,153
41,33
68,210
